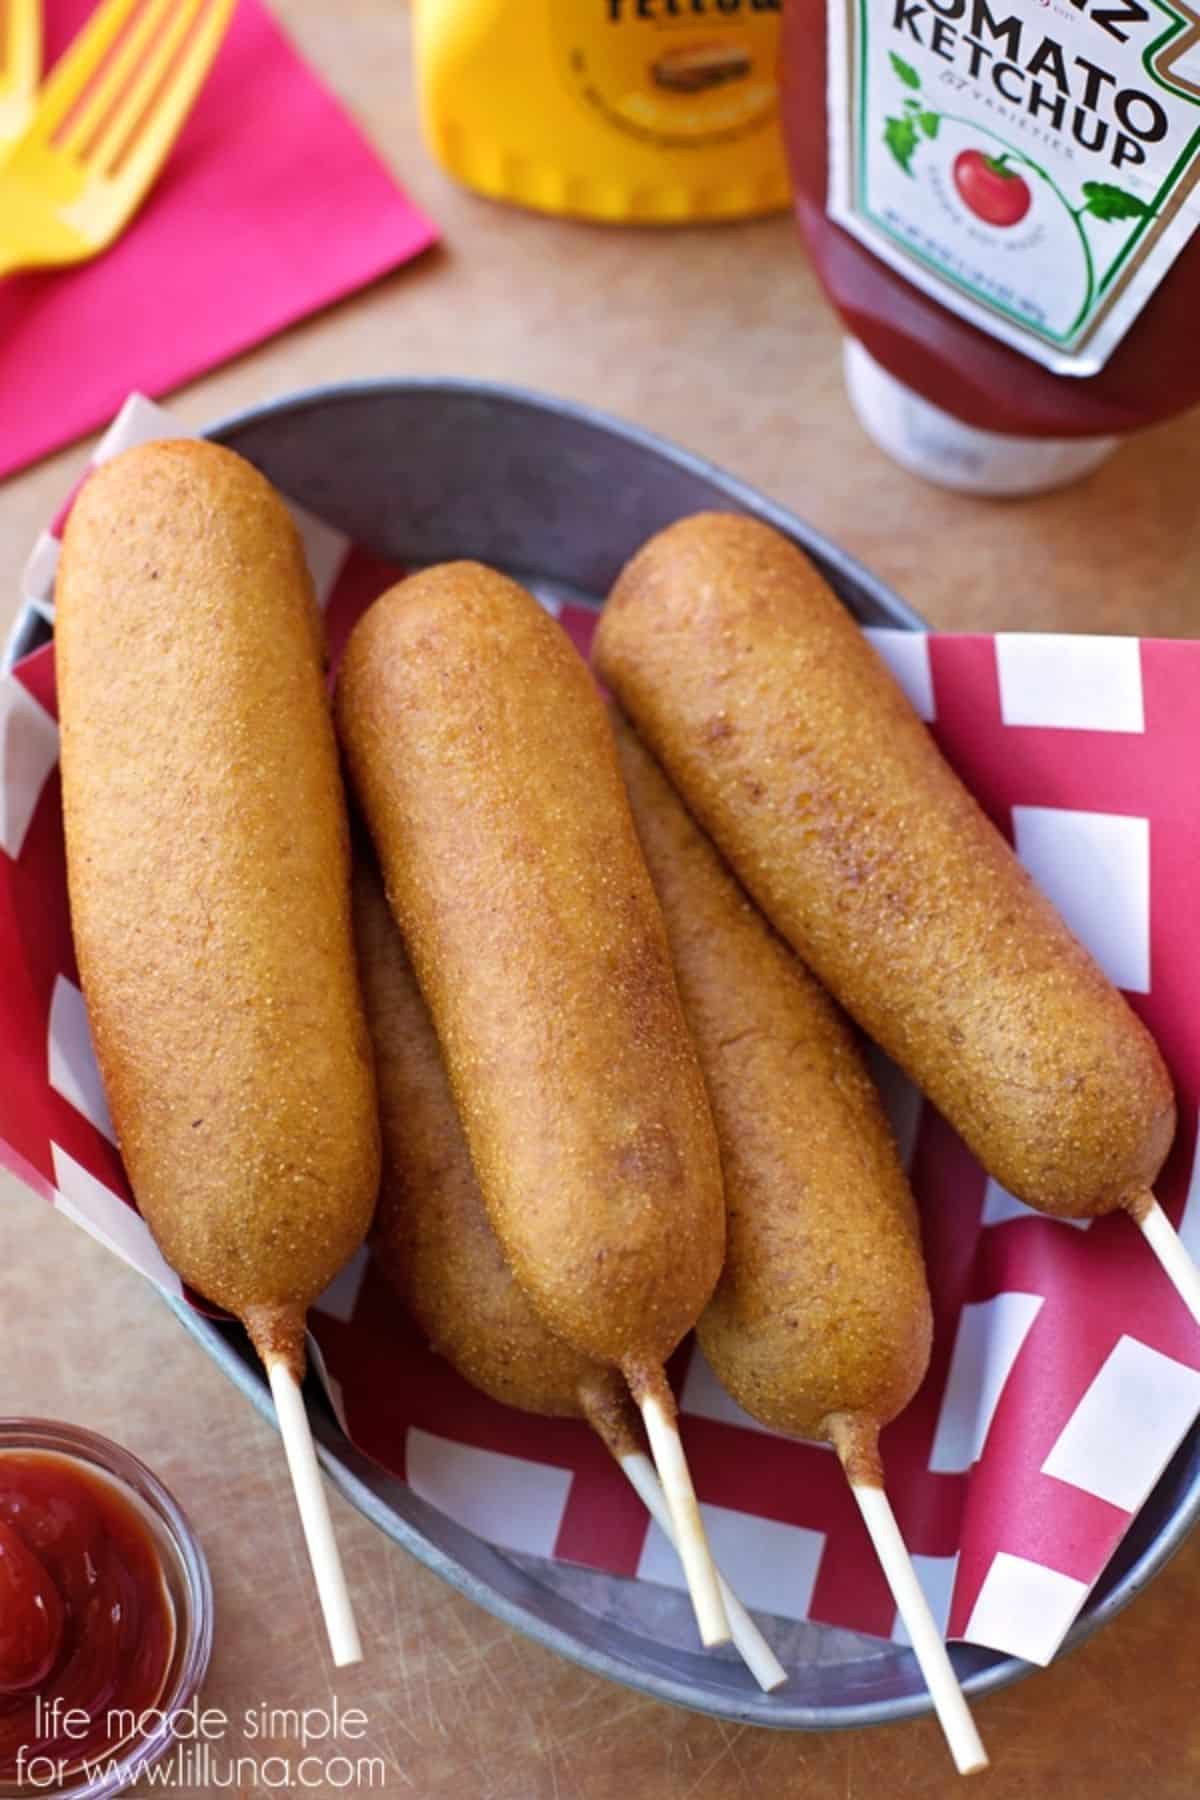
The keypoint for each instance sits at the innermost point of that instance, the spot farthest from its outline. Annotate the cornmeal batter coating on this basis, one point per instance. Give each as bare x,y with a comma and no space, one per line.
484,762
431,1235
790,742
822,1308
209,877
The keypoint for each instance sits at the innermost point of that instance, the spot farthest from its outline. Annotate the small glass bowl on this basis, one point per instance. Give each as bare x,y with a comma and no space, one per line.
185,1578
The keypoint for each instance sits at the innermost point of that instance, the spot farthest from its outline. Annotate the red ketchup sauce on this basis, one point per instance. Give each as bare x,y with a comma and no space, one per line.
86,1624
1153,373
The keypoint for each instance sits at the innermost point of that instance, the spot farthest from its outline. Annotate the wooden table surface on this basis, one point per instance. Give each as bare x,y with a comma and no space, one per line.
718,339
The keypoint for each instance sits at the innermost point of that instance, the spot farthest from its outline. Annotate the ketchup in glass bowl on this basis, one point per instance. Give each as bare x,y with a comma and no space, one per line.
105,1613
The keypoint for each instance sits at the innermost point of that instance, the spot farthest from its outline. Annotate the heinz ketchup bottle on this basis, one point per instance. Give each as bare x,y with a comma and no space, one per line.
1001,199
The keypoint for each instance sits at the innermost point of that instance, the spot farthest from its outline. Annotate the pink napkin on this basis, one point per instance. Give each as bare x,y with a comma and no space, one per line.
271,205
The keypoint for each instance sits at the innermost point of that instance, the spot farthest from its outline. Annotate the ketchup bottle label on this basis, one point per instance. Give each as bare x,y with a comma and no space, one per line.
1030,164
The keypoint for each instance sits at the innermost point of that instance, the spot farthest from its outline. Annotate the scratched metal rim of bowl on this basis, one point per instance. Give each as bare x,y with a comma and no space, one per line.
561,494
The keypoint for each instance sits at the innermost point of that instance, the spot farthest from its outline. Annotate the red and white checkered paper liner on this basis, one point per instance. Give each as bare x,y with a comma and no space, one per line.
1065,1371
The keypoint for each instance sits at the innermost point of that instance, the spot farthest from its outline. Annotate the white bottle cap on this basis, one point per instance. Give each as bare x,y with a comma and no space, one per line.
940,447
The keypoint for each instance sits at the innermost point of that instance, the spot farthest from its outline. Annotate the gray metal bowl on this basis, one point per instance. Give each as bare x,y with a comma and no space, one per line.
560,496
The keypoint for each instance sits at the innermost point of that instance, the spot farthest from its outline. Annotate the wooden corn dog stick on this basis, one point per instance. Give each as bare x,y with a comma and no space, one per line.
752,1646
1168,1246
856,1443
954,1716
313,1505
656,1403
606,1408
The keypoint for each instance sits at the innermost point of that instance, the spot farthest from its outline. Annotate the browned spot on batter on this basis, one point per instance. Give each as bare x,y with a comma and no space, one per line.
648,1157
856,1441
606,1408
642,977
277,1333
1139,1204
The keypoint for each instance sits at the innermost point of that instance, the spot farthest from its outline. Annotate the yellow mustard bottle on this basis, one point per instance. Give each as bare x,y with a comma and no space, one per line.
643,111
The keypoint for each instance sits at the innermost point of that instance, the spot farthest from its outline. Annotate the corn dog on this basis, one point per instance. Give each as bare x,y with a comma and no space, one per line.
822,1310
207,863
431,1235
793,746
209,882
485,766
433,1242
821,1322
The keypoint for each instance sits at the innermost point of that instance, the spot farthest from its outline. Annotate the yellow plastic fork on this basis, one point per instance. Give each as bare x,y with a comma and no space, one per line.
103,127
20,65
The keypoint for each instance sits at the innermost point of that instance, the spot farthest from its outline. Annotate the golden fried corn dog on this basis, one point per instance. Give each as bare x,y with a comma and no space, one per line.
209,880
820,1325
822,1310
431,1235
432,1239
792,745
484,762
208,867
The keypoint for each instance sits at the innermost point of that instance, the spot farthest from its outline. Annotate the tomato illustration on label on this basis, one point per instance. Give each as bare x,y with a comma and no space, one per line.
998,189
991,190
